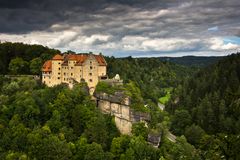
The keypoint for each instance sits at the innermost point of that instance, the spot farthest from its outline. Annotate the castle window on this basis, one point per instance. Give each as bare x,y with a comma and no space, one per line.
58,73
71,67
59,68
90,67
64,73
90,80
59,63
58,77
71,74
90,74
90,62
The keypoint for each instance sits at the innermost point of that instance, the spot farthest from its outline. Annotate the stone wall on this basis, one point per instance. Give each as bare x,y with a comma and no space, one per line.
119,108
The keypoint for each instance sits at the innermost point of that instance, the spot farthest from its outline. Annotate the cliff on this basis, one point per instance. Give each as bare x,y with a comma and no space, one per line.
118,105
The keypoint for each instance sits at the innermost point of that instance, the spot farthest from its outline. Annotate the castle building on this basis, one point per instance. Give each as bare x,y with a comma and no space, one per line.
72,68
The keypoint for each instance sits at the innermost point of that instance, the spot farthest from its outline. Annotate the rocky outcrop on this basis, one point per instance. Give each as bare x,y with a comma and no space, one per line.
154,139
118,105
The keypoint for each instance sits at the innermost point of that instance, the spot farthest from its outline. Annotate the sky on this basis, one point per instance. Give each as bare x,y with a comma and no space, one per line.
138,28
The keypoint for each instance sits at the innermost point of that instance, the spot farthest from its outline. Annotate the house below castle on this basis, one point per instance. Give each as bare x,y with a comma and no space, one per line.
74,68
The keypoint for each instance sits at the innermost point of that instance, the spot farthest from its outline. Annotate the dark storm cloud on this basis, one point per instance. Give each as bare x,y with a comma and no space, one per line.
29,15
128,25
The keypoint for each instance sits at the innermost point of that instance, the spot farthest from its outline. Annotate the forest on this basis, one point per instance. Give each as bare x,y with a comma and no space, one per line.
40,122
208,108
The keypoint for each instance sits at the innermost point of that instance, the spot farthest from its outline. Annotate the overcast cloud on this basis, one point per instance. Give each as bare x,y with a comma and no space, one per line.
125,27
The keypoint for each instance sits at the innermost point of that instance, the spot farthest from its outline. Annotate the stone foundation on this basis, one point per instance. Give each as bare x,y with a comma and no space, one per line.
119,108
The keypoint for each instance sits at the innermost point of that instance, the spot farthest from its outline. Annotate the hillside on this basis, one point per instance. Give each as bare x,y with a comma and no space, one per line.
40,122
192,61
19,58
151,75
210,102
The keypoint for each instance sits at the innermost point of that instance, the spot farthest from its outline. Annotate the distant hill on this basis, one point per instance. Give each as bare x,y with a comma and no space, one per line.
206,109
193,61
212,96
150,74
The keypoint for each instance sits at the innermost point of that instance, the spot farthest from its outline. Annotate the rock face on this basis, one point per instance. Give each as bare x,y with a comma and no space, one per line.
154,139
118,105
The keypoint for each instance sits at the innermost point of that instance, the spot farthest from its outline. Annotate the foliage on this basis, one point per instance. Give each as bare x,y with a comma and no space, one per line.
107,88
19,58
210,101
180,120
194,134
193,61
129,90
150,75
36,65
37,122
139,129
165,99
212,96
18,66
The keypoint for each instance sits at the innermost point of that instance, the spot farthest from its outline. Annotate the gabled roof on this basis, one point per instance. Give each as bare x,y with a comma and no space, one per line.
47,66
80,58
57,57
100,60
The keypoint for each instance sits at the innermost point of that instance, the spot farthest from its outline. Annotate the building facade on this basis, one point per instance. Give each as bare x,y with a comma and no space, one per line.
72,68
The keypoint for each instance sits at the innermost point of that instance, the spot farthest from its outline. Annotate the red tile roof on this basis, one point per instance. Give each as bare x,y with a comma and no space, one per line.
57,57
47,66
101,60
79,58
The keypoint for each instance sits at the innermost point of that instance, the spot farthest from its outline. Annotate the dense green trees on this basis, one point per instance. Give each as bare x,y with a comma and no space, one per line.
180,120
212,96
19,58
151,75
37,122
36,65
18,66
211,102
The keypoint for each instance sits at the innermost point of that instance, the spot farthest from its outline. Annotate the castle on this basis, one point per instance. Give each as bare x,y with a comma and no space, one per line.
74,68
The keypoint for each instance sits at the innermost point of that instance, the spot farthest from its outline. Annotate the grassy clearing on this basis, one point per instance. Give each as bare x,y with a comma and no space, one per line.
165,99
